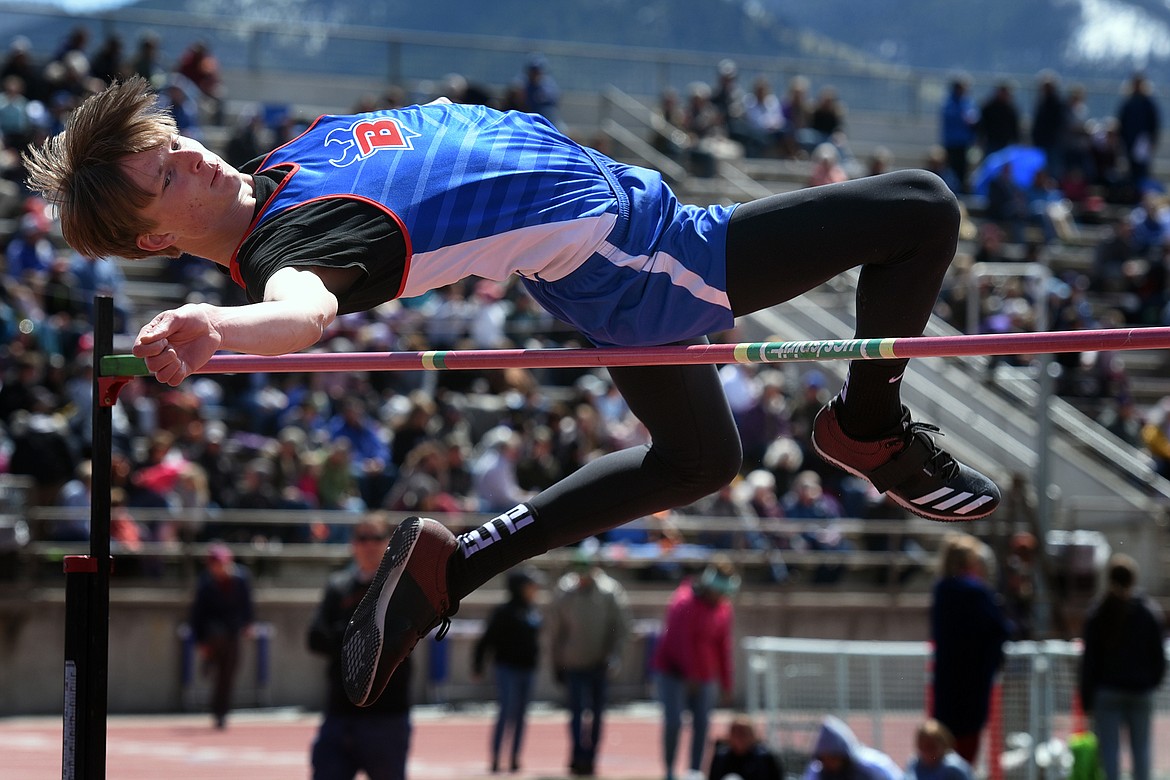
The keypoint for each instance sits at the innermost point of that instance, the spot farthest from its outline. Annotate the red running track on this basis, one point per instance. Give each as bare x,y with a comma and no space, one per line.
275,746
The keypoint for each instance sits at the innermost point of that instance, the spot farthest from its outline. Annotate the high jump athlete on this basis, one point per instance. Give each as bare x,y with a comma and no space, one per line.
363,209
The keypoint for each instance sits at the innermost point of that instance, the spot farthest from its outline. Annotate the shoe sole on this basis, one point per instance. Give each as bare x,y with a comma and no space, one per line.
363,644
904,503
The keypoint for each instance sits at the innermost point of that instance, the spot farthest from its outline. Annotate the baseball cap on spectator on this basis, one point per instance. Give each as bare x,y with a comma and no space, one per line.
523,576
719,578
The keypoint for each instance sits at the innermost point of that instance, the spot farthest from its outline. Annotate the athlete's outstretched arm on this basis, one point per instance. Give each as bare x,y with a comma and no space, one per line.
296,309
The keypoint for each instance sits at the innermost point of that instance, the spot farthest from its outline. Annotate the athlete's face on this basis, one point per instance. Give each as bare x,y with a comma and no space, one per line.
194,193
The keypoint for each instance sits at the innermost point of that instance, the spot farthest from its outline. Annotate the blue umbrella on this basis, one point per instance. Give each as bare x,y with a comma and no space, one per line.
1025,161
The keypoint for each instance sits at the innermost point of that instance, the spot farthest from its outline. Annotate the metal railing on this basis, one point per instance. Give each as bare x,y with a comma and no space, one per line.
882,690
687,547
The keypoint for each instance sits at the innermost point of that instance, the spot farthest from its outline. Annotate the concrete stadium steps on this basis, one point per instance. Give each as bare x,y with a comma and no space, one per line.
1148,389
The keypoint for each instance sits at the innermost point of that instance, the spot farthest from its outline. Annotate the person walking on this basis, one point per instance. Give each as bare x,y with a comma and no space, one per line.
589,626
352,739
512,638
968,627
221,613
693,660
1123,665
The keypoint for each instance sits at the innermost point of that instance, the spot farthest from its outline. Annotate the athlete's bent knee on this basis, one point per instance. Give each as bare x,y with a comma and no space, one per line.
939,205
707,475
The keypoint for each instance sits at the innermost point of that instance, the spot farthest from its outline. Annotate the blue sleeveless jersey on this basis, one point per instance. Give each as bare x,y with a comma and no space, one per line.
604,246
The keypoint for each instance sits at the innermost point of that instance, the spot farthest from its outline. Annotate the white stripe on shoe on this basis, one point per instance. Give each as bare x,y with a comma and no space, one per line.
930,498
969,508
945,500
957,499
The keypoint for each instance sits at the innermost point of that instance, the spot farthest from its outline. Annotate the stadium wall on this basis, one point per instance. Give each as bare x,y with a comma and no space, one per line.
146,658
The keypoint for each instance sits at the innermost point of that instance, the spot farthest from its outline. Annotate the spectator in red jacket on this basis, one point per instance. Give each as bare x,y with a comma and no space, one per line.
693,657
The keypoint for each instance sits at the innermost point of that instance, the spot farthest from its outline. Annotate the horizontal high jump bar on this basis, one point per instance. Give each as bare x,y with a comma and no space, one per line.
695,354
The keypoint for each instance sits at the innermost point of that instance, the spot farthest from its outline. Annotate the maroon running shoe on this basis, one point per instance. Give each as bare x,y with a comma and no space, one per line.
407,598
909,467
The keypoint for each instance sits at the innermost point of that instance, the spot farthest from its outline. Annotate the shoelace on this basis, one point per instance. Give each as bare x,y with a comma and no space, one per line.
444,627
940,460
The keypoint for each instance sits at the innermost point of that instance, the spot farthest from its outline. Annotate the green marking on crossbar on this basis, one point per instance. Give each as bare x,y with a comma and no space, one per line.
123,365
434,360
777,351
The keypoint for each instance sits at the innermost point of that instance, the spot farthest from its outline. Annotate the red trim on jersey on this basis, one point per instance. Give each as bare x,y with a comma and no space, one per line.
264,162
234,266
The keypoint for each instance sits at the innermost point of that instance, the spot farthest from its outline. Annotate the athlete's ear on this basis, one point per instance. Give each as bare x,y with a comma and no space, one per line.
155,242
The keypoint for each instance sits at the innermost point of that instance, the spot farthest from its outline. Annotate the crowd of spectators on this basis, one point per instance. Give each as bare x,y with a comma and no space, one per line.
457,443
1052,185
470,442
725,121
1078,195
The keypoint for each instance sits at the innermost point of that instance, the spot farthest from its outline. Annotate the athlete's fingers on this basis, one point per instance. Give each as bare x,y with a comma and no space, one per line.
147,349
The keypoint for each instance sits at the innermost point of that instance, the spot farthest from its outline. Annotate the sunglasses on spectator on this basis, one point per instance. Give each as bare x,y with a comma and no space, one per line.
369,538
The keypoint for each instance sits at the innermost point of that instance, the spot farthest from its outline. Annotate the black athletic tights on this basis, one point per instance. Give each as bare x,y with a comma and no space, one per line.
900,227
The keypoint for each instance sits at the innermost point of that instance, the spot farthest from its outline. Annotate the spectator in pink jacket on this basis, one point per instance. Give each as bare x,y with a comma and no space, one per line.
693,657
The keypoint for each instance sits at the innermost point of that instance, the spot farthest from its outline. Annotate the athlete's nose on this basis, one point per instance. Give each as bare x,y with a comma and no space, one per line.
191,158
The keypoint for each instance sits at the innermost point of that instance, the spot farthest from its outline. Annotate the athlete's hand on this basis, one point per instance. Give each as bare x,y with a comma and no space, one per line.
178,342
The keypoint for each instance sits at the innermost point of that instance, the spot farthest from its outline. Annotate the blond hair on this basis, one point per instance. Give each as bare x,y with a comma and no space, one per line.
937,733
80,171
962,553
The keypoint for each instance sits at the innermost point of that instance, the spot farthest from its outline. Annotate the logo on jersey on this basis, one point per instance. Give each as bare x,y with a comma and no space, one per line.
366,136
